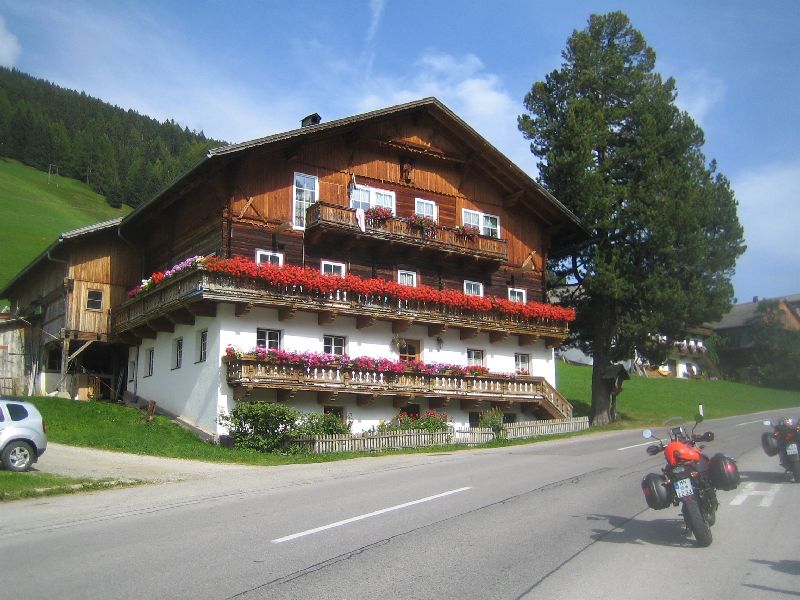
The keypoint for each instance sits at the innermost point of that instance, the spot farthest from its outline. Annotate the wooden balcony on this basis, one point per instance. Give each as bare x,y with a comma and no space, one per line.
534,394
197,292
323,217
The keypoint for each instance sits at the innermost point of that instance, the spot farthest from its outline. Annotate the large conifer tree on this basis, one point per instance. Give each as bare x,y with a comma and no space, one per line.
615,149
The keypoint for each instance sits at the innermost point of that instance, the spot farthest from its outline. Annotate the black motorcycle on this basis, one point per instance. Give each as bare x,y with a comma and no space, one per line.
783,441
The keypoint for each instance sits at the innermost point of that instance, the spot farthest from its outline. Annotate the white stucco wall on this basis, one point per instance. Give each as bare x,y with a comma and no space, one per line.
198,391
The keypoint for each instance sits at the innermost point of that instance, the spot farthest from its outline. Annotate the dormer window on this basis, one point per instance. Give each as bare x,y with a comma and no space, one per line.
488,225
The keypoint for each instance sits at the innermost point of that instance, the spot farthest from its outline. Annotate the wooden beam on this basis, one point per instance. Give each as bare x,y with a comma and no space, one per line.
402,401
286,312
467,333
240,392
527,339
401,325
436,403
202,309
161,324
436,330
473,405
326,316
497,336
181,316
364,321
327,396
144,332
366,399
284,395
513,199
243,308
129,338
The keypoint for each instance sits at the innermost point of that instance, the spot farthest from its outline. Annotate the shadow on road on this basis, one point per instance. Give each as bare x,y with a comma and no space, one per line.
792,567
764,476
668,531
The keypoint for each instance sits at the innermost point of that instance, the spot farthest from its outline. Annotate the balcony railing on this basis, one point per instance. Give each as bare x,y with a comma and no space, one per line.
246,373
323,215
177,296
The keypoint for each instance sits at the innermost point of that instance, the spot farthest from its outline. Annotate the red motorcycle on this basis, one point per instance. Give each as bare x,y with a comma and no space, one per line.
784,440
690,479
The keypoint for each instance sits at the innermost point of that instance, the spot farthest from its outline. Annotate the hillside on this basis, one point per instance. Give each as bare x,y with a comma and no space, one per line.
33,213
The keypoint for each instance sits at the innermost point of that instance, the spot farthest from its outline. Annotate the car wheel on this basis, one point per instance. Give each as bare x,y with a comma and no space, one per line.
18,456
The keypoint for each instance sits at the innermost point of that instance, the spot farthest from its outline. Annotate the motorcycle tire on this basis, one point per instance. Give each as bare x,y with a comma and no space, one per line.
796,471
710,515
696,523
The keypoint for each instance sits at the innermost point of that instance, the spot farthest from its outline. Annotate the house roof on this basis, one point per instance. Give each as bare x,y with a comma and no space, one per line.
744,314
502,168
56,245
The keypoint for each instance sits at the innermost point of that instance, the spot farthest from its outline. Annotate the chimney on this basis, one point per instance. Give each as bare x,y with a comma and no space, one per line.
312,119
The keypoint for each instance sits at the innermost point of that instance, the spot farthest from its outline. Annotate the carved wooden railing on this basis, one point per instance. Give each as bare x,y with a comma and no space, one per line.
246,373
179,292
326,215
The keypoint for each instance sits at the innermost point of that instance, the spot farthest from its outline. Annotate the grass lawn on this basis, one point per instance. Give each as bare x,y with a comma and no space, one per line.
33,213
14,486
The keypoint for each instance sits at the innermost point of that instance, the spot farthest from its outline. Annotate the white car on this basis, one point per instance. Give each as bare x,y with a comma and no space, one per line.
23,434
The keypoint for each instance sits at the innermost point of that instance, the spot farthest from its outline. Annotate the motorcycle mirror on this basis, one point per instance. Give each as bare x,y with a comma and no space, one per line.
708,436
647,434
767,422
653,450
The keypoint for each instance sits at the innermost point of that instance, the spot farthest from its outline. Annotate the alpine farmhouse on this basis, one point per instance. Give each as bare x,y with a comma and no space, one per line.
390,261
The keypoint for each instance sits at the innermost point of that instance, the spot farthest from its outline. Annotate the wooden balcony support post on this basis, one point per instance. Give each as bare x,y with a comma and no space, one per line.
400,326
327,397
144,332
526,339
473,405
286,312
325,317
161,324
402,401
182,316
366,399
436,329
241,392
203,309
284,395
467,333
243,308
497,336
364,321
436,403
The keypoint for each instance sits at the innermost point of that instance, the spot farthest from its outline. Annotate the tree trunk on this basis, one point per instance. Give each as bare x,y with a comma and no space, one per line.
601,360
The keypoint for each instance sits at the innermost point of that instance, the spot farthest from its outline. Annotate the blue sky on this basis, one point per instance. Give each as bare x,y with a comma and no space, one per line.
242,70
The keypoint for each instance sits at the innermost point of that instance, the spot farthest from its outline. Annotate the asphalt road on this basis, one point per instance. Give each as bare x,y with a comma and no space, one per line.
558,519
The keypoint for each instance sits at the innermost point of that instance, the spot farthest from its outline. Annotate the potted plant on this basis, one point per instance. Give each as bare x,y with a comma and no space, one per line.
378,215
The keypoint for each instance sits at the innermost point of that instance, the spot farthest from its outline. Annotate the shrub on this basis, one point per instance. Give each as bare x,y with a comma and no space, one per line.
312,424
263,426
493,419
430,421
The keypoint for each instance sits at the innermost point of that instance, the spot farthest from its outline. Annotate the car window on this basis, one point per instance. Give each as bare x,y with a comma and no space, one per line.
17,412
2,416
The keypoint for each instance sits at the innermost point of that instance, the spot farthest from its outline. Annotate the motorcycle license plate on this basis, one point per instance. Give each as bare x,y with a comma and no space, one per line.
683,487
791,449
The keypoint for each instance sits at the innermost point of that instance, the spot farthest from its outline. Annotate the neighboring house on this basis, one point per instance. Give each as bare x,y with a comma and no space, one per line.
686,357
56,335
736,329
441,243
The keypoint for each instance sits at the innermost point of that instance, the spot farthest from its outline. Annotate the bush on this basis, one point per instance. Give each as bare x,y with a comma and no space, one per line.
493,419
312,424
430,421
263,426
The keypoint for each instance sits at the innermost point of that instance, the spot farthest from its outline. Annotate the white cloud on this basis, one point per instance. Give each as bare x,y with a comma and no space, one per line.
769,212
10,48
699,92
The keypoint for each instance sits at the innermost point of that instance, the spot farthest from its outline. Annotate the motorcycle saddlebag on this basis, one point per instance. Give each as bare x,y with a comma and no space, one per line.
724,473
655,491
769,443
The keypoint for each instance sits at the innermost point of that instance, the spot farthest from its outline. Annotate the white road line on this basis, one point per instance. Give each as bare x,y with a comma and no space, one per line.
749,422
366,516
749,490
637,445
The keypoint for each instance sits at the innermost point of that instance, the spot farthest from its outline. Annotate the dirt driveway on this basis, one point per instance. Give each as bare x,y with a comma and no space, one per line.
89,462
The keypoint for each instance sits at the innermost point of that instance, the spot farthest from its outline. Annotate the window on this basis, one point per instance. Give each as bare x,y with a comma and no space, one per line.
270,339
517,295
522,364
473,288
425,208
408,350
177,353
94,300
474,358
509,418
334,410
489,225
333,344
364,197
131,370
202,345
332,268
268,256
17,412
305,194
151,354
408,278
412,410
474,419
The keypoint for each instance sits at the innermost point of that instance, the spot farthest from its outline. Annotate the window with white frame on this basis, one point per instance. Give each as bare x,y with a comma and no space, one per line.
364,197
332,268
306,190
473,288
425,208
202,345
270,339
474,357
177,353
408,278
333,344
522,364
269,256
151,357
517,295
488,225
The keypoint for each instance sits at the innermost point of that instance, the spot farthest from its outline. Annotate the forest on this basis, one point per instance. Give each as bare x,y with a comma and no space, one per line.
125,156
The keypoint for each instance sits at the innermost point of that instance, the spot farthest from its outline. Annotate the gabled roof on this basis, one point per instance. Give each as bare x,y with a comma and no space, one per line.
62,239
502,168
742,315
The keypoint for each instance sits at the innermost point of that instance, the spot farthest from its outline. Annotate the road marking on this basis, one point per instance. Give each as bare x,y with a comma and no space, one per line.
637,445
368,515
749,490
749,423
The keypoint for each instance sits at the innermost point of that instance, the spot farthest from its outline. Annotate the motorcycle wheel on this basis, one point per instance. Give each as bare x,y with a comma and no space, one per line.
796,471
696,523
710,511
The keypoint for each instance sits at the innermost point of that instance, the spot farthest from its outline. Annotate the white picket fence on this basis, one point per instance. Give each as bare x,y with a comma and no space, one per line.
392,440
